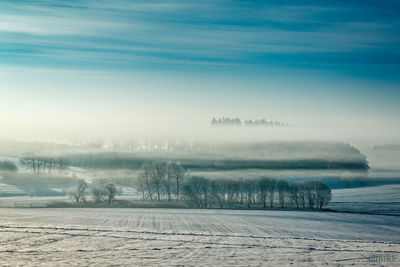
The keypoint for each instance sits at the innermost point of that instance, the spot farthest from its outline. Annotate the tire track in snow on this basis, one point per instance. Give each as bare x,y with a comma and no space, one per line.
106,234
197,234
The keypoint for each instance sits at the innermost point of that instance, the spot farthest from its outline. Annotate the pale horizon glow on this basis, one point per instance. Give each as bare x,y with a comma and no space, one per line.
98,70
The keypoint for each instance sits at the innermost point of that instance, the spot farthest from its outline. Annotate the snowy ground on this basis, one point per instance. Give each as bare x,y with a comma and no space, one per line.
100,237
383,199
381,193
30,202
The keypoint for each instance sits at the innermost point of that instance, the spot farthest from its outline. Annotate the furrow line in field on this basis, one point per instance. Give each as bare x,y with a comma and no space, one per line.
195,234
207,242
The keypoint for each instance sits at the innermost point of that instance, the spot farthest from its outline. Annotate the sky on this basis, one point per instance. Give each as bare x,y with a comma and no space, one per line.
92,68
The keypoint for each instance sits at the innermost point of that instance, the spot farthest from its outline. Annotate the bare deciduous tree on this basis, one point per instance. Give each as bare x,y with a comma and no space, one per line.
198,189
169,180
271,192
282,187
111,191
97,192
178,174
78,192
104,190
143,181
323,194
158,171
294,194
309,190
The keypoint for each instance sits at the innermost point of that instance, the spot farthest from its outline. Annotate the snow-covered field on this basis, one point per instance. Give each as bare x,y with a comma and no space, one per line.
381,193
100,237
382,199
30,202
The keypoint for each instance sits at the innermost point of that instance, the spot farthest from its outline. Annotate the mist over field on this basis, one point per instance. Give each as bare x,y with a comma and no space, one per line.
136,181
199,133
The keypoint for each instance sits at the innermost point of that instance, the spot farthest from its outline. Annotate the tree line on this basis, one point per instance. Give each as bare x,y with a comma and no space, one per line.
164,181
101,190
255,193
264,122
160,180
168,181
40,165
6,165
227,121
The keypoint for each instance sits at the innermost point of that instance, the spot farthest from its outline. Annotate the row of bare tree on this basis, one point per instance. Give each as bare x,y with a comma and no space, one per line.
168,181
161,180
44,165
260,192
101,190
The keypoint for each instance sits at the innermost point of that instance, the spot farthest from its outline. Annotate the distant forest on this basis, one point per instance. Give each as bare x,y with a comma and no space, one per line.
129,161
6,165
227,121
274,156
208,157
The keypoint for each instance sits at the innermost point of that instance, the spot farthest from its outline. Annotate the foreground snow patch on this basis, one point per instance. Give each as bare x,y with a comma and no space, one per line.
194,237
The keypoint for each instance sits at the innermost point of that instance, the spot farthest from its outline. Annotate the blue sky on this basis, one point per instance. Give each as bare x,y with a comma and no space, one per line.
126,60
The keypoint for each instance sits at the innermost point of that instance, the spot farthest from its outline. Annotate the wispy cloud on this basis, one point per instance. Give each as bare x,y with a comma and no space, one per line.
118,34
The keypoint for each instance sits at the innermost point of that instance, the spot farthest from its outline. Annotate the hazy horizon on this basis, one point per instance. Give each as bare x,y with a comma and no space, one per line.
215,133
83,69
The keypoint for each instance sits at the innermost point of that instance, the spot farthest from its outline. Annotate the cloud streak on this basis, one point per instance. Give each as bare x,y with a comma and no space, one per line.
90,61
126,34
